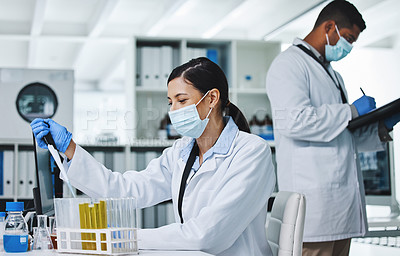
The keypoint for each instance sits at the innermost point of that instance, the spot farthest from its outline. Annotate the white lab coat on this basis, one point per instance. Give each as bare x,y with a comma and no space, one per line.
224,204
316,154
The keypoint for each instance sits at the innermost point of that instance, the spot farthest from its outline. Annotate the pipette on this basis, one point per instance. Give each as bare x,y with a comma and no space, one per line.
57,158
52,148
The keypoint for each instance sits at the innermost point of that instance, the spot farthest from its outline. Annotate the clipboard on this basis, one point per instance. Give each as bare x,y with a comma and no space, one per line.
375,115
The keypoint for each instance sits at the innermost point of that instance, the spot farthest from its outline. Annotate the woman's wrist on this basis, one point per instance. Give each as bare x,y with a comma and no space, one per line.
70,150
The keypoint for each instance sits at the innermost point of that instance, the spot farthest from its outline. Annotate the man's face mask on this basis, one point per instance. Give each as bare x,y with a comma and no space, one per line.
187,122
338,51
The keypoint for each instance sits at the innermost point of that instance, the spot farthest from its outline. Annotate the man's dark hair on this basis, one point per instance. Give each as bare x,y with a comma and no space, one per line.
343,13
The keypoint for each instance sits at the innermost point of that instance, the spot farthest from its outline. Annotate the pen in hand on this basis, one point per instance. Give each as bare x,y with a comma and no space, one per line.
362,91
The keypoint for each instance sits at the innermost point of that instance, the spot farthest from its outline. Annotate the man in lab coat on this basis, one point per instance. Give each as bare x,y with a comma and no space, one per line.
315,152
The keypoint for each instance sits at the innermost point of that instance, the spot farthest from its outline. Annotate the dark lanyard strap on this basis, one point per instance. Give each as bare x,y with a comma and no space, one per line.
312,55
186,172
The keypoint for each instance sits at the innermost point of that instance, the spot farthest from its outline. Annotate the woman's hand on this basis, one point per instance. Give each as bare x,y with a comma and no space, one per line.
61,136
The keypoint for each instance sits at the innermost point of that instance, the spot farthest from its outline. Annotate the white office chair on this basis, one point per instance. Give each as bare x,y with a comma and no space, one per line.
286,224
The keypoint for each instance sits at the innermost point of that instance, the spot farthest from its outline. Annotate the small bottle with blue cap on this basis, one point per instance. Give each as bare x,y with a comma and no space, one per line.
15,236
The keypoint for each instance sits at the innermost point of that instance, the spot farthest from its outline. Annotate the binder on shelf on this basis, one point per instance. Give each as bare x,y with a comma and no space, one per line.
109,160
132,165
170,216
156,67
22,173
99,156
1,173
189,53
8,173
161,214
118,162
139,67
140,161
166,64
150,155
212,54
149,217
196,52
201,52
145,63
31,177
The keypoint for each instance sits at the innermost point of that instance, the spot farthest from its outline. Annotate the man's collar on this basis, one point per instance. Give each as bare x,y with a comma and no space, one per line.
312,49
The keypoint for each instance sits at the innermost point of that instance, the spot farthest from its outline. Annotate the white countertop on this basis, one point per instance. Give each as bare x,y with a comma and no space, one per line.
146,252
357,249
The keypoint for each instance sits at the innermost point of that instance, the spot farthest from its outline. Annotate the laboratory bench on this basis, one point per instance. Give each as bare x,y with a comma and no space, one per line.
141,252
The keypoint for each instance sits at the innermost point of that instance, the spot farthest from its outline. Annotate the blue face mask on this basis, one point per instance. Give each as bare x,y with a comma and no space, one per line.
187,122
338,51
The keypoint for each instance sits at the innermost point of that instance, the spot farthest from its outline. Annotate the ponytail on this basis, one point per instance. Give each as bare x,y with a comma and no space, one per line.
238,117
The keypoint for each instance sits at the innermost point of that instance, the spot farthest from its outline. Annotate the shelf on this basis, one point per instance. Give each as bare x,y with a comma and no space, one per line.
7,197
119,147
141,89
144,143
155,58
157,90
249,91
7,141
152,143
25,198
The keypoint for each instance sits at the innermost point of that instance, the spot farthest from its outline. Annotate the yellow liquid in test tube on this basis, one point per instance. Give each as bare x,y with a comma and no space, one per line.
83,216
93,220
93,217
103,222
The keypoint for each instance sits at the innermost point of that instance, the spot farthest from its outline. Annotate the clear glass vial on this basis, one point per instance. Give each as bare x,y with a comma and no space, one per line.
41,238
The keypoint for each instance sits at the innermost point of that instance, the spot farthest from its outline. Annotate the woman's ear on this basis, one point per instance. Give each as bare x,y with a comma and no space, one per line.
213,97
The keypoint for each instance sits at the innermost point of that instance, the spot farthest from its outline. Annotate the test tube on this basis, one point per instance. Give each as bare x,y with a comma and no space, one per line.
52,231
83,212
103,222
93,223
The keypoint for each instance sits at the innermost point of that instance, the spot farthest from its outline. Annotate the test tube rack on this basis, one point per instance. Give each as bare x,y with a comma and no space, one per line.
96,226
109,241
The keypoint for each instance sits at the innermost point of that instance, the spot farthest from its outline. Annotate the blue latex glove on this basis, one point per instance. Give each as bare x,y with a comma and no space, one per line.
364,104
61,136
392,121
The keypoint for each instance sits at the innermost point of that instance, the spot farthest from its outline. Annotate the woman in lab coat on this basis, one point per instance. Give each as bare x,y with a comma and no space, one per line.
224,202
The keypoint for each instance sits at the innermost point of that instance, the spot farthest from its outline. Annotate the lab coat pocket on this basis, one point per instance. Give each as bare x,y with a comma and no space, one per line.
315,168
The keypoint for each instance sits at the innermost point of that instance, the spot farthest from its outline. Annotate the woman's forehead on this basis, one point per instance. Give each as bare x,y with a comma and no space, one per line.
180,85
